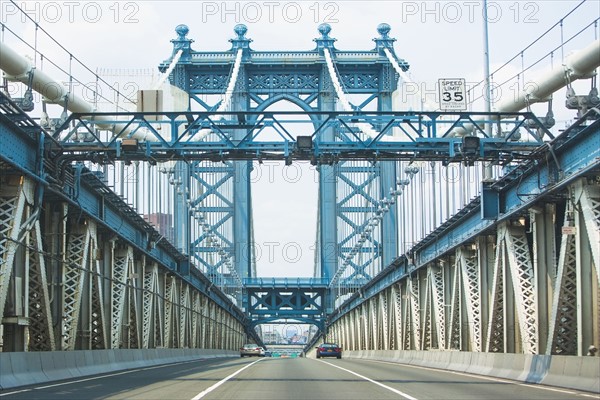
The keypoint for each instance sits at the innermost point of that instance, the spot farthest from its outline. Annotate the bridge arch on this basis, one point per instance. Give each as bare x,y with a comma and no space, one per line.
272,100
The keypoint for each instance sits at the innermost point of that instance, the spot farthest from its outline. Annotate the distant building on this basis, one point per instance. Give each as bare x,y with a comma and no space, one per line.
163,224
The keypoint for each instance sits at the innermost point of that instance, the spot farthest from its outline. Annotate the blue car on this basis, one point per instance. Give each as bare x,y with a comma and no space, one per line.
329,350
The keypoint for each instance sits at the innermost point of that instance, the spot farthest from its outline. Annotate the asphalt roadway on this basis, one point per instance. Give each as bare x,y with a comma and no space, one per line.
289,378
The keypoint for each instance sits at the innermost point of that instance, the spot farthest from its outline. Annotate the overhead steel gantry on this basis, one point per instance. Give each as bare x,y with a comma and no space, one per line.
352,147
426,136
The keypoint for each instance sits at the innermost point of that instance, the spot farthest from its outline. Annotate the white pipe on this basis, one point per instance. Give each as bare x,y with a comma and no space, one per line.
17,68
578,65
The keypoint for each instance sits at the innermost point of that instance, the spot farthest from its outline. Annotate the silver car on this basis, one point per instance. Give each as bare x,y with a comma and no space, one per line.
252,349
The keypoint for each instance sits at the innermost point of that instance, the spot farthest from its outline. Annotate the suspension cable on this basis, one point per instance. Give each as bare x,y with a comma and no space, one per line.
226,102
407,78
63,48
364,127
534,41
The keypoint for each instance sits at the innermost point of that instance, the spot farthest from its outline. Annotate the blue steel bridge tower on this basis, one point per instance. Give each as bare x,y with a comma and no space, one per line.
213,217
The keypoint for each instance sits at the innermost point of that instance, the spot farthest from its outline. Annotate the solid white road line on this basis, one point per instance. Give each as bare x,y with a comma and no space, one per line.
391,389
222,381
487,378
129,371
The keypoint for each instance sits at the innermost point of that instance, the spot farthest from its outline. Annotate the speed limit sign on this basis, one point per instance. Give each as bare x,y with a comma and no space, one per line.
453,94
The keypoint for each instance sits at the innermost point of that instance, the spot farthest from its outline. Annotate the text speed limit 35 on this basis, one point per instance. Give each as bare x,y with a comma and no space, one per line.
453,94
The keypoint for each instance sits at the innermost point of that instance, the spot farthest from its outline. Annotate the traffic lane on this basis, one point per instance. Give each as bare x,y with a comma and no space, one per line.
428,383
296,378
289,379
171,381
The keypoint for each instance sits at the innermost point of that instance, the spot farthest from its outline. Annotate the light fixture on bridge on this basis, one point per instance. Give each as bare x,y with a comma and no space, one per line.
129,144
470,145
304,143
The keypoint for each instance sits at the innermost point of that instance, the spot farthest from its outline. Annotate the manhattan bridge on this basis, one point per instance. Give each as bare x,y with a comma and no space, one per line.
134,229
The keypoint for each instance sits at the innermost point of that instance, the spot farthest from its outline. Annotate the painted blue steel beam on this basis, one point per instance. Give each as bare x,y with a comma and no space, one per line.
19,149
426,136
298,299
294,72
100,203
20,139
576,154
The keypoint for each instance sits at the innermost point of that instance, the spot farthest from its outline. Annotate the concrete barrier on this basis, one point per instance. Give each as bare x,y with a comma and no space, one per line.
473,363
574,372
55,366
580,373
26,369
507,365
29,368
457,361
538,368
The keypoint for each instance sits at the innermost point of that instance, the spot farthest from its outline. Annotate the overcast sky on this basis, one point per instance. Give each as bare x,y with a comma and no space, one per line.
439,40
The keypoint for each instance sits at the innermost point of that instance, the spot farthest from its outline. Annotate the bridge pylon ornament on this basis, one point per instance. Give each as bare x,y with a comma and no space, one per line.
182,43
384,41
325,41
241,42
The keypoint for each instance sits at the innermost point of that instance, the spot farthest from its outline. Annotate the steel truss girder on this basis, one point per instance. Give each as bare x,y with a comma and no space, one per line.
122,266
414,322
12,208
149,303
424,136
576,153
212,321
383,322
354,219
196,319
512,324
466,260
588,197
41,331
170,311
571,328
364,325
85,275
563,321
18,226
455,329
521,271
436,307
96,200
215,212
396,324
496,341
516,259
81,249
373,328
302,304
184,317
135,311
354,333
